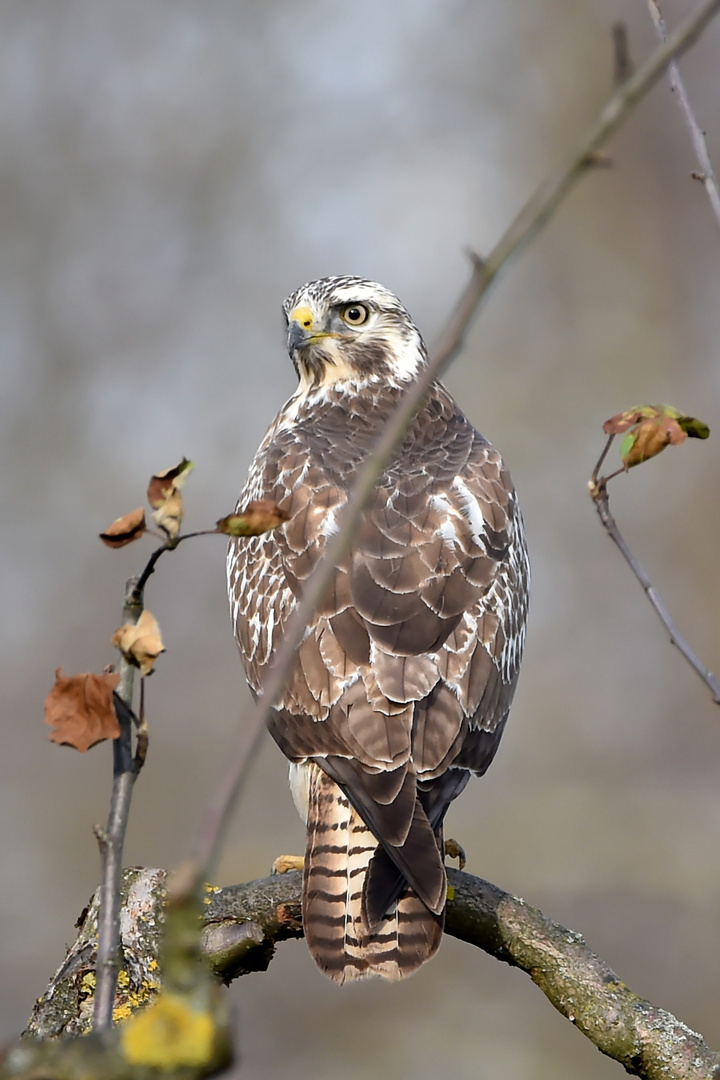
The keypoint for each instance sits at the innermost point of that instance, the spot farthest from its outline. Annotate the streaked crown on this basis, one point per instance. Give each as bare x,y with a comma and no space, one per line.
347,330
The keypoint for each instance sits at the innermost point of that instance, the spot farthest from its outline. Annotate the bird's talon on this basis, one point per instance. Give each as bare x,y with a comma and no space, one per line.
453,850
285,863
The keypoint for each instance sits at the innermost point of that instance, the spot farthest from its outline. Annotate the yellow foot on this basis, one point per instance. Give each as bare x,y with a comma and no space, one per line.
285,863
453,850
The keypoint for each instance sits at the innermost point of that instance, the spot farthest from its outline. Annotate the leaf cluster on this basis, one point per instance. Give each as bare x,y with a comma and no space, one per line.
82,709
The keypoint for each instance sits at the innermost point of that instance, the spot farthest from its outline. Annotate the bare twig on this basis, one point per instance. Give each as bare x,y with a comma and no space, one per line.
112,838
599,494
623,66
141,582
535,214
167,545
706,174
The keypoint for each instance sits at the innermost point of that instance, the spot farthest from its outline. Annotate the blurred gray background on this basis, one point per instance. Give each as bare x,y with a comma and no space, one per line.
169,172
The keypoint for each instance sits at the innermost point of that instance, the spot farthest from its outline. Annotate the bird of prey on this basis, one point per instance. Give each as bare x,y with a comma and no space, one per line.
403,682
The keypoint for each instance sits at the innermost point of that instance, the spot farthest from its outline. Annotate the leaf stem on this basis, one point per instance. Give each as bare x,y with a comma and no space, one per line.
599,495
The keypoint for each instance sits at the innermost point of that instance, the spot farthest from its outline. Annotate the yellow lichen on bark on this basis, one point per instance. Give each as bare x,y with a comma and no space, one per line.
168,1034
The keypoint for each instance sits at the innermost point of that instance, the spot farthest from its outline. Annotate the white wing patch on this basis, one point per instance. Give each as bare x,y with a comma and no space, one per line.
447,530
471,510
329,526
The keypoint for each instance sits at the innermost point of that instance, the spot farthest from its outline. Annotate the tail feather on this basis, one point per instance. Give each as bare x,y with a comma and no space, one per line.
341,939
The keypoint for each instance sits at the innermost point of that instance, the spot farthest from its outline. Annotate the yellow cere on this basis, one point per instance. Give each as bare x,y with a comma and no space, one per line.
302,315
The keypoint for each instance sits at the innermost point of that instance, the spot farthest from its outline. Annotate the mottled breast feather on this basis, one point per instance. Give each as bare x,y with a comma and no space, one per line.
403,683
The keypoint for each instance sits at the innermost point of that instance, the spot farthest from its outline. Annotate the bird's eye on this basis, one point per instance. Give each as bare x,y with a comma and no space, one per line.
354,314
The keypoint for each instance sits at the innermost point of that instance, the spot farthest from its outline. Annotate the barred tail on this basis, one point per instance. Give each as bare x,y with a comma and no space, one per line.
339,850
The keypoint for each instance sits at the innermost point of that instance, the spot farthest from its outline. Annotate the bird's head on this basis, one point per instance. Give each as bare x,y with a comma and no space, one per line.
349,330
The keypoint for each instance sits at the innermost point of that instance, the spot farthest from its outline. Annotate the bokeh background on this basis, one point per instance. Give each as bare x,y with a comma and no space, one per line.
169,171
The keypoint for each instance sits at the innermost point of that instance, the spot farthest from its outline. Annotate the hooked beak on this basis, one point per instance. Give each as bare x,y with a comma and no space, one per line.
302,330
297,336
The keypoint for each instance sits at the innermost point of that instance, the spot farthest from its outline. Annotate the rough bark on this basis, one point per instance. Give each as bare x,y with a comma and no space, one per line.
244,924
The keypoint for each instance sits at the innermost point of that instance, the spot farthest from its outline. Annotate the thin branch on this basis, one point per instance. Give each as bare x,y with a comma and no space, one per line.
706,173
167,545
112,838
623,66
141,582
536,213
599,494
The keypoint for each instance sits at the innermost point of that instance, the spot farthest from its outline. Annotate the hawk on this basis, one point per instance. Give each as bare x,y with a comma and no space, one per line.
403,682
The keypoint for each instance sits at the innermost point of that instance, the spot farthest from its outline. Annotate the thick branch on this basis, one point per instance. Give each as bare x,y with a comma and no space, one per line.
646,1040
245,923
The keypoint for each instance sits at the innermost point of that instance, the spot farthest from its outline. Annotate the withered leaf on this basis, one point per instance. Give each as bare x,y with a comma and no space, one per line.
80,709
125,529
140,642
694,428
164,483
621,422
169,515
259,516
650,429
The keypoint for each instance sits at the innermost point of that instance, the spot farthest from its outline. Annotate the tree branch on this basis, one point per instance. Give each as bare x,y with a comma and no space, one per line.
111,839
244,924
706,173
535,214
648,1041
598,490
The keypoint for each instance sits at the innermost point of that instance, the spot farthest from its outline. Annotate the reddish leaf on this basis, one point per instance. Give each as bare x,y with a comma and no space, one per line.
650,429
648,438
164,483
140,642
80,710
259,516
617,424
125,529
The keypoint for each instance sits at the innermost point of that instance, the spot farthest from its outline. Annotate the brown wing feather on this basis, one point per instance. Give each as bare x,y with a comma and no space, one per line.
409,668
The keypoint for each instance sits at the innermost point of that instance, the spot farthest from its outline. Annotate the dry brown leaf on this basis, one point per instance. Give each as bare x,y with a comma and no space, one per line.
259,516
649,437
80,710
140,642
650,428
164,483
125,529
169,515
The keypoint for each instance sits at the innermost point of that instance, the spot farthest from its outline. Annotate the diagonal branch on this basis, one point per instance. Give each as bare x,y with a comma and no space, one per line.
706,173
531,219
599,494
